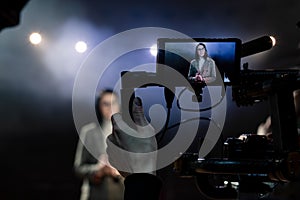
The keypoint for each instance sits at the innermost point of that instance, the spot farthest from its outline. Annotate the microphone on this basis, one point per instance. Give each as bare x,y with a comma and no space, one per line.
257,45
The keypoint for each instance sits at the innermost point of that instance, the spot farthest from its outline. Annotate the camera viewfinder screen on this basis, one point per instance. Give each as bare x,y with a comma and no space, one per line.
211,60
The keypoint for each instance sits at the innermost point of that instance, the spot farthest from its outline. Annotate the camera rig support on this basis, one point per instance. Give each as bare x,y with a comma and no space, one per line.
255,160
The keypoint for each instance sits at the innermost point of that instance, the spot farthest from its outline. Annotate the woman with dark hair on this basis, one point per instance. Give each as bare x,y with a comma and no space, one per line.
100,179
203,67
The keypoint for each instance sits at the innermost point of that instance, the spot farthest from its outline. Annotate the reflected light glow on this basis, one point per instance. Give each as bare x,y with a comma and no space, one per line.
273,40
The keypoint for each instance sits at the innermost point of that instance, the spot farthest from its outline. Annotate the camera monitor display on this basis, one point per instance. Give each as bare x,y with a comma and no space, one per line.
212,61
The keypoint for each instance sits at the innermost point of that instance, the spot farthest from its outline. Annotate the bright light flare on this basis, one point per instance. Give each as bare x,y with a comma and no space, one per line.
273,40
81,47
153,50
35,38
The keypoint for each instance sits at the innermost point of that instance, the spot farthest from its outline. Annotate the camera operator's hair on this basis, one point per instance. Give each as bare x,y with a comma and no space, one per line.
97,102
196,51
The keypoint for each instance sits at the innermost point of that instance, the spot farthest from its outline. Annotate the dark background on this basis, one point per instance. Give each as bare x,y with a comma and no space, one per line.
37,135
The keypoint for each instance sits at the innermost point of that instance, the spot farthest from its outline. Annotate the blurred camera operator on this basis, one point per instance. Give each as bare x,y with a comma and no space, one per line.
266,127
288,190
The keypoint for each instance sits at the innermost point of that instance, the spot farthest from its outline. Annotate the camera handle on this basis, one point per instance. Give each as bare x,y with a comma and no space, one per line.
139,79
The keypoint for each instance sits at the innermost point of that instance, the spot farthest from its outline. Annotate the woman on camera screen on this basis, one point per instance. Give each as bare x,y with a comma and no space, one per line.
203,67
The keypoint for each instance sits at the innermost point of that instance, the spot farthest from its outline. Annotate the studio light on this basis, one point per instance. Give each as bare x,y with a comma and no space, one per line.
35,38
153,50
80,46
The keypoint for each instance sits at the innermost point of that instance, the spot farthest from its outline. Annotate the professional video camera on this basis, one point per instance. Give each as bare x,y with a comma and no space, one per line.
255,161
250,161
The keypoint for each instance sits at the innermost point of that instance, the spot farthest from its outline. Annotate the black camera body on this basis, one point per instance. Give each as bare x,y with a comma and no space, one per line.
250,146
